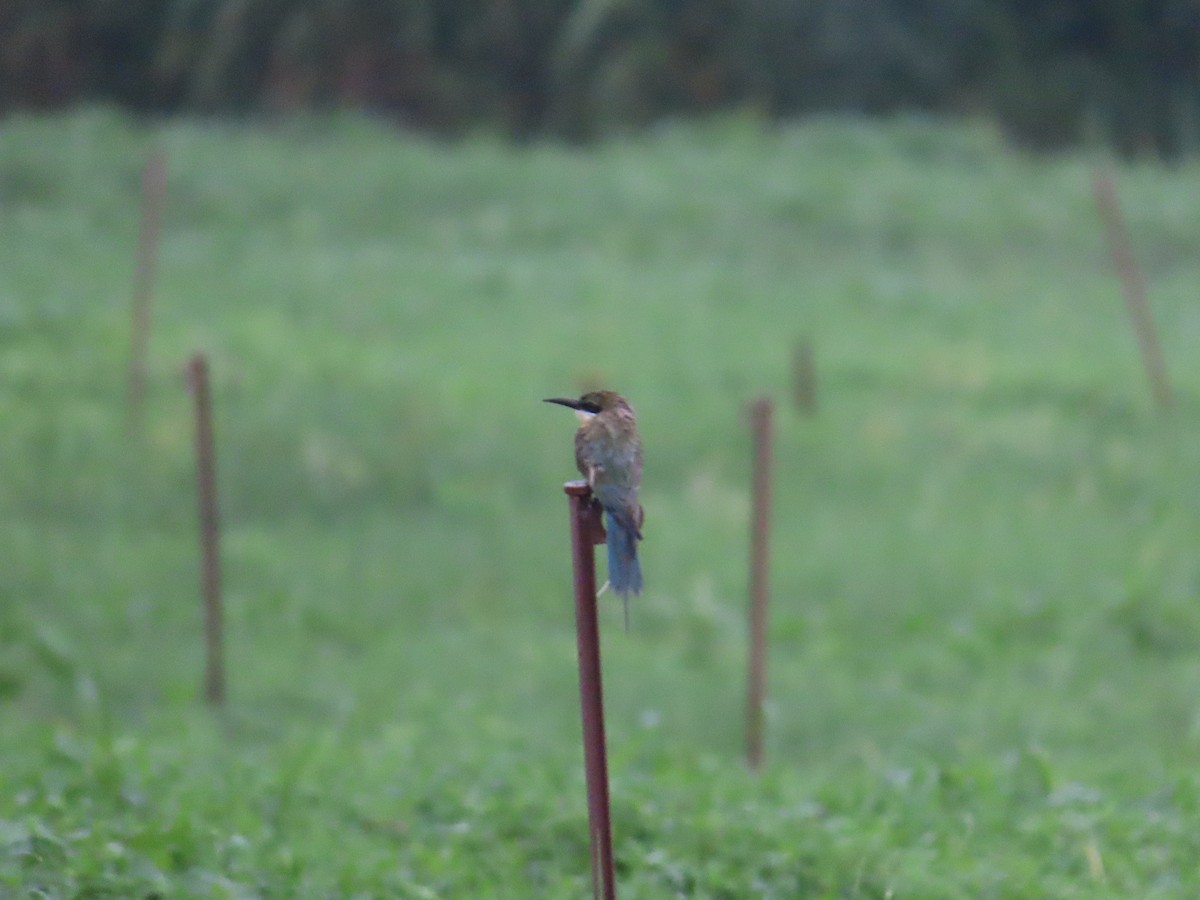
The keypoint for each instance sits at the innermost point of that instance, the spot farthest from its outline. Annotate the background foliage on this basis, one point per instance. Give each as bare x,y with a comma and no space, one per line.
985,635
1124,72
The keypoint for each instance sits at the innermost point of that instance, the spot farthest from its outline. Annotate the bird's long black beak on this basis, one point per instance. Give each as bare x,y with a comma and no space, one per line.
563,401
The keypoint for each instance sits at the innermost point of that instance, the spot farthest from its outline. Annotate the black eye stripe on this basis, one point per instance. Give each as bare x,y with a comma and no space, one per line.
590,407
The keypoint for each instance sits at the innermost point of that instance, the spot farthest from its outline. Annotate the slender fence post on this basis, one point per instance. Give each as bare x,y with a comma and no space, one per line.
1133,286
586,532
760,424
804,377
210,564
154,194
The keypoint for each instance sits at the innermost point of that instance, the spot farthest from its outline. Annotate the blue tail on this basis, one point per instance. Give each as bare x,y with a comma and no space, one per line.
624,569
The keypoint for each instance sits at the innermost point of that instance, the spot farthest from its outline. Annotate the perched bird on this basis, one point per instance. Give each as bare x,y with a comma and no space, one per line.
608,452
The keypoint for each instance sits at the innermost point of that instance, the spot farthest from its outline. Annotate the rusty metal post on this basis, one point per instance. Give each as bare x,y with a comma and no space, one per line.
804,377
154,193
586,532
1133,286
210,564
760,423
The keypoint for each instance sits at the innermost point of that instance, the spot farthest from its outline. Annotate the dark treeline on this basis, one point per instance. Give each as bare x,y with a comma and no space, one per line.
1051,72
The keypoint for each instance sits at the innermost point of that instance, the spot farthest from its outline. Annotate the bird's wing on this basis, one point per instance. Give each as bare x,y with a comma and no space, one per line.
582,462
621,503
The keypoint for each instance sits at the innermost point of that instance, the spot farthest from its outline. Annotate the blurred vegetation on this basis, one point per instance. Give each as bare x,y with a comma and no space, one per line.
985,634
1119,72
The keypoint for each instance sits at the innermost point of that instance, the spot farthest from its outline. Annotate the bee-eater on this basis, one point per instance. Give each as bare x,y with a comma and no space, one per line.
608,452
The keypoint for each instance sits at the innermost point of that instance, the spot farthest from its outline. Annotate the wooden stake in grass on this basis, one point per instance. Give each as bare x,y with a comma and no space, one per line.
760,424
804,377
154,195
1133,286
586,532
210,565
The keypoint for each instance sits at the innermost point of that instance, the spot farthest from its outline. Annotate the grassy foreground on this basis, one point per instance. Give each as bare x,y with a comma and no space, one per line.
985,657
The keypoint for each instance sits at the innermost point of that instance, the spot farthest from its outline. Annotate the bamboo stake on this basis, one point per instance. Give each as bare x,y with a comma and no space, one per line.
154,194
1133,286
586,532
804,377
760,420
210,567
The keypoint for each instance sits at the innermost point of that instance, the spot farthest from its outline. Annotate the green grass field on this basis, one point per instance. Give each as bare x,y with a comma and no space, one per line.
985,650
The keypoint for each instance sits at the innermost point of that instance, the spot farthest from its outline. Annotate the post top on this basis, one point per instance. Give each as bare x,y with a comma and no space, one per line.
578,488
